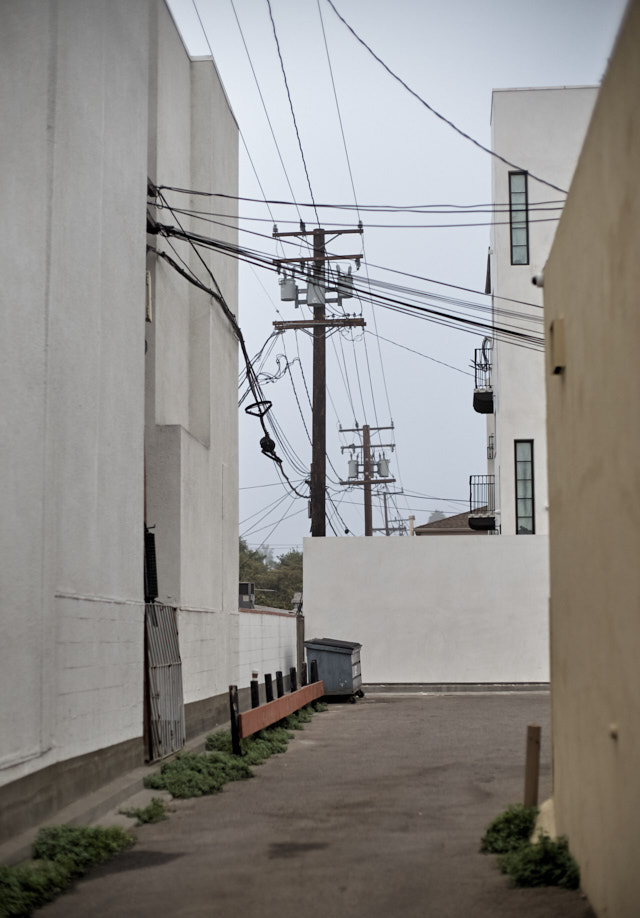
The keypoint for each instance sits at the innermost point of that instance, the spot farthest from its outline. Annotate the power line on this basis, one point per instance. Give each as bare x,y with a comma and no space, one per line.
244,142
286,175
430,280
519,335
261,406
293,115
420,354
490,207
436,113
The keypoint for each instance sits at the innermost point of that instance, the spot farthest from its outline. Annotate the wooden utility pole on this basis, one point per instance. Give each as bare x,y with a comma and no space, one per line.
367,479
319,425
319,394
366,461
387,529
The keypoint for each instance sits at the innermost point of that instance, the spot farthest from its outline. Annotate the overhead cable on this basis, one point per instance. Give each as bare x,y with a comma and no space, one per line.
293,115
436,113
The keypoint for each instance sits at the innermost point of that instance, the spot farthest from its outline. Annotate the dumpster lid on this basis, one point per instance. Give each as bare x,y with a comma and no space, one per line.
331,643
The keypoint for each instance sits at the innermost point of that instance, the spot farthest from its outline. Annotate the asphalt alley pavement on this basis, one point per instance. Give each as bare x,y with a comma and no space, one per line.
376,810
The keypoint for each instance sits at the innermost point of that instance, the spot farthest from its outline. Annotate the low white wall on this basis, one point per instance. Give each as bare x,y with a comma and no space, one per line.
266,643
455,610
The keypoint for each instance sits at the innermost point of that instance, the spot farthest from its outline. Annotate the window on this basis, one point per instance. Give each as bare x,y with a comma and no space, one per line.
525,509
519,218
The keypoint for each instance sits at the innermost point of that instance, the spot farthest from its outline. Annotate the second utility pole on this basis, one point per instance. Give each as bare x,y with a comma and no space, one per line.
319,428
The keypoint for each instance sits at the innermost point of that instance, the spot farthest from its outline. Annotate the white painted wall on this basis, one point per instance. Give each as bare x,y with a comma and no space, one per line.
191,418
542,131
442,609
267,643
73,151
94,97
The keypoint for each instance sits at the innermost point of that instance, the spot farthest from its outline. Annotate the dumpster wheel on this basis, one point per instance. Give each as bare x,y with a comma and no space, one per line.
360,693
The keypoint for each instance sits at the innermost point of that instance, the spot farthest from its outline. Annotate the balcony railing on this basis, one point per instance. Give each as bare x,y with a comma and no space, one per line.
483,390
482,502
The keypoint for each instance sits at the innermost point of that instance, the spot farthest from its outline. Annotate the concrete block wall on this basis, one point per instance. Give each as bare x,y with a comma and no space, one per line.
266,644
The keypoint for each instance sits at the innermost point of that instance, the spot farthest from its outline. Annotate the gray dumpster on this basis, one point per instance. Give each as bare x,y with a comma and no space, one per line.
338,665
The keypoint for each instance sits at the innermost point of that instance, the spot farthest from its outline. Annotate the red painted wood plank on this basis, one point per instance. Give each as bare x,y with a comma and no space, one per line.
258,718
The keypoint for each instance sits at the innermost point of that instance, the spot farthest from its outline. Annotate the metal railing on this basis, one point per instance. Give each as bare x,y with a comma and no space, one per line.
482,494
482,367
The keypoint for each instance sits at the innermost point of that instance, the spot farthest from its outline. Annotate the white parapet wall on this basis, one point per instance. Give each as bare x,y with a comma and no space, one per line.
436,610
266,643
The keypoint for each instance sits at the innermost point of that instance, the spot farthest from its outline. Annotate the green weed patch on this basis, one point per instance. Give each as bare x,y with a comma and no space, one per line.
199,774
510,829
541,863
61,853
156,811
193,774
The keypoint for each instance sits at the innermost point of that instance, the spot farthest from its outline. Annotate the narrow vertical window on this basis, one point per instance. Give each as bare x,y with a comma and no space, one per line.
525,509
519,218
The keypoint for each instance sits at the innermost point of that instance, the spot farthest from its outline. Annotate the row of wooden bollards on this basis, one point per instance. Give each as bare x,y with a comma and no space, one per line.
310,689
305,679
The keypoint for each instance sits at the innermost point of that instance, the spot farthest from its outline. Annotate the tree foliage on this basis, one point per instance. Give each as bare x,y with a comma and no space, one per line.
281,575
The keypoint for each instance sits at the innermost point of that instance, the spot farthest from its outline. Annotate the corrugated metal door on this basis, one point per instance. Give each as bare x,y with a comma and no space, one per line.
164,675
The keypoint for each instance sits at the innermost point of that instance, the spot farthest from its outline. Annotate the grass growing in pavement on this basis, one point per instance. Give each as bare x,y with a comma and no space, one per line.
193,774
61,853
198,774
541,863
156,811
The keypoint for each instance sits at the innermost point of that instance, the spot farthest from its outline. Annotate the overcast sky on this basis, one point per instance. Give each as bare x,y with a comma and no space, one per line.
452,54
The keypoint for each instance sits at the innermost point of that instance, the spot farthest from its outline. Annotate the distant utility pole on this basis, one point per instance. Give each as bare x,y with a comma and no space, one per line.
367,479
386,528
317,297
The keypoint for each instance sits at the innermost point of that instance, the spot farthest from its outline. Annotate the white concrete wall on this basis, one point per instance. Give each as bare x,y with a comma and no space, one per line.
94,96
73,102
267,643
191,445
442,609
542,131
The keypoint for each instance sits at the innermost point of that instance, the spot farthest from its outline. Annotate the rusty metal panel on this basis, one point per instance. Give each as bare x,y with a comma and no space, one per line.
164,667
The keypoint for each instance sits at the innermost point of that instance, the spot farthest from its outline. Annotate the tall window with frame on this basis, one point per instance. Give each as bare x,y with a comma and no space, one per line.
519,218
525,503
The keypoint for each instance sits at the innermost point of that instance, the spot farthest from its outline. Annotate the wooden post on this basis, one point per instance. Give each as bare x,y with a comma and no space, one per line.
279,684
314,671
234,713
255,694
532,766
268,687
304,677
293,677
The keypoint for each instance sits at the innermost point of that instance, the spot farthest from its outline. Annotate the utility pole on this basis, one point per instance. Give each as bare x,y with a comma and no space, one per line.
367,480
316,297
387,529
386,514
319,425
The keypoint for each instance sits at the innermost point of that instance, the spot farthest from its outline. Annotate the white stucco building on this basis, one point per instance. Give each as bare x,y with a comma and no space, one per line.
108,420
444,611
541,132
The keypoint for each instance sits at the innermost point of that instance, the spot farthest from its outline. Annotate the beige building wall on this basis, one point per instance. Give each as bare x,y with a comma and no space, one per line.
592,288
